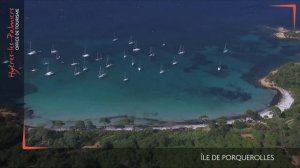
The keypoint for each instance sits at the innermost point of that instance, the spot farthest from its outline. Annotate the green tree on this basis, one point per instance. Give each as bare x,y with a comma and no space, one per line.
253,114
127,121
104,121
107,145
90,125
80,125
57,124
275,111
239,124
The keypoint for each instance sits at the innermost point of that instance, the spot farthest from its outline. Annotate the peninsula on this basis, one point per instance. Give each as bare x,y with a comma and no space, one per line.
282,33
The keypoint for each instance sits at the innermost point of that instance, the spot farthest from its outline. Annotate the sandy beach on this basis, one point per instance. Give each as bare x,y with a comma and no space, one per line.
286,99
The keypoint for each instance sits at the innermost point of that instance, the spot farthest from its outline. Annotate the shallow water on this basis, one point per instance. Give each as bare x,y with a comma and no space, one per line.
190,89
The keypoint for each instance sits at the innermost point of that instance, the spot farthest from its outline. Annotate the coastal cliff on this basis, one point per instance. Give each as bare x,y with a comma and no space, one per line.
282,33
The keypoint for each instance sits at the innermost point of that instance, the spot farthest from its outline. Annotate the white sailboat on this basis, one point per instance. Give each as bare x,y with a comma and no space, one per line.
53,50
48,72
31,51
101,74
5,61
219,67
175,62
45,62
98,58
225,50
161,71
76,73
85,54
124,54
84,67
57,56
140,67
33,69
74,63
164,43
108,65
132,61
135,47
130,42
125,79
151,52
115,38
181,50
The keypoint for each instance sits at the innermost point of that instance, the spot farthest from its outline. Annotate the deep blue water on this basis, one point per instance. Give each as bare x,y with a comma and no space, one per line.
192,88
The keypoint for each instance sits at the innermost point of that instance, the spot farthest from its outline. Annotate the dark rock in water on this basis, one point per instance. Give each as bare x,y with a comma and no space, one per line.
234,86
200,59
196,61
190,68
30,88
262,68
229,94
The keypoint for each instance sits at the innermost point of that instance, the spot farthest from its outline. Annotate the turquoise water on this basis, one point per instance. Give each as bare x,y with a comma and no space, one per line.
188,90
175,95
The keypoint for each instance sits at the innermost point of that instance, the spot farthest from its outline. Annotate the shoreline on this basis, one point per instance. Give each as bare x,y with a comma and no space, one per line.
285,101
280,33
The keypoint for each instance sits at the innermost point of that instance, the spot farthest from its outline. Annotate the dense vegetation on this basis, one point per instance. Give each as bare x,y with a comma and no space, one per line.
154,148
11,154
288,76
292,34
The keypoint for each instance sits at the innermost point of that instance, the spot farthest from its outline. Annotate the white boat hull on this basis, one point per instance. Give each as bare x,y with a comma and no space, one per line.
136,49
50,73
102,75
85,55
5,62
108,65
77,73
31,52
